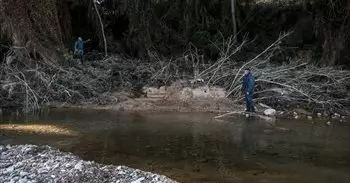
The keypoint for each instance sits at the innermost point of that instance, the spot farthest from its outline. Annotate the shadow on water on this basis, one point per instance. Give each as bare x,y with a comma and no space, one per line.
192,147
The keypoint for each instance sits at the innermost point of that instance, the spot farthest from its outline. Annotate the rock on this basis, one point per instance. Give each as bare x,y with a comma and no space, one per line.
295,113
79,166
10,169
138,180
296,117
162,89
32,164
23,174
328,123
247,115
309,117
270,112
23,181
302,111
208,92
319,115
152,92
186,94
343,117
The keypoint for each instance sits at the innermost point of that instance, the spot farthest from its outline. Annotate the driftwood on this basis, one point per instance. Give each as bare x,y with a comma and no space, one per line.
285,85
267,118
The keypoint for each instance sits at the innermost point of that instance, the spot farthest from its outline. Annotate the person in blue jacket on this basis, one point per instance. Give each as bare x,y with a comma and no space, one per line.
79,48
248,89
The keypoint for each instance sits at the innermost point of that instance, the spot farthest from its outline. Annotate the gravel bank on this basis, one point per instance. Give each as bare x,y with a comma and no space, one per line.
36,164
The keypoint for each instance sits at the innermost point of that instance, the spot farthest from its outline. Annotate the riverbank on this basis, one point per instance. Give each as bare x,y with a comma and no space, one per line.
222,107
30,164
136,85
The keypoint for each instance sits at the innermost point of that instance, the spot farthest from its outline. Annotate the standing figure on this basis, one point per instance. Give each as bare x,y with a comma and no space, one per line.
79,49
248,89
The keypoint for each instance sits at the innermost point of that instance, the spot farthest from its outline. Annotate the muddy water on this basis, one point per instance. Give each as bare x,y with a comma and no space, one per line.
193,147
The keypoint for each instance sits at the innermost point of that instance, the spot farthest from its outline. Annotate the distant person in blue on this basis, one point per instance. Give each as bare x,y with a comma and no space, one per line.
248,89
79,49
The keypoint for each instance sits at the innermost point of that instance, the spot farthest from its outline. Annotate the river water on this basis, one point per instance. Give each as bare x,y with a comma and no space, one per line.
193,147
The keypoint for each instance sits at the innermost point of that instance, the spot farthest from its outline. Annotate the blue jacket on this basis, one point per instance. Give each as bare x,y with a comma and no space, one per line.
248,83
79,45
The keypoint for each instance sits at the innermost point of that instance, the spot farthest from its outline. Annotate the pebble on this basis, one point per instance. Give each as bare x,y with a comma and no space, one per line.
328,123
309,117
32,164
23,174
79,166
10,169
23,181
319,115
138,180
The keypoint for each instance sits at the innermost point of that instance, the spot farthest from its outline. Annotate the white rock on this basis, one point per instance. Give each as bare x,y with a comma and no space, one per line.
79,166
270,112
247,115
296,117
328,123
23,181
138,180
22,174
162,89
319,115
10,169
309,117
295,113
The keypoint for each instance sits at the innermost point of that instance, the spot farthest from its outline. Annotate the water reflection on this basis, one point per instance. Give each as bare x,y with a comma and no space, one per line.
193,147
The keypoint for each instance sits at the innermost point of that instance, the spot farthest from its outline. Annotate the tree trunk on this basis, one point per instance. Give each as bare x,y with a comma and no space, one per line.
102,28
233,7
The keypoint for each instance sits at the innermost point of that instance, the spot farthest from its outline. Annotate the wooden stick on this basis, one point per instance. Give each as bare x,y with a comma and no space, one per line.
229,113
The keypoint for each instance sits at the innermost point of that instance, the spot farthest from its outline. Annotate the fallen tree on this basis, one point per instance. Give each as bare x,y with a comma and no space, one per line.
30,83
291,84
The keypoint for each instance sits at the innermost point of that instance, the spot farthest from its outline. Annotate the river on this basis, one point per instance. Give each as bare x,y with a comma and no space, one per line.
192,147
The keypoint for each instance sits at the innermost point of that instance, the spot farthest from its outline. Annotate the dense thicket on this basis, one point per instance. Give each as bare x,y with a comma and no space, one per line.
177,40
167,26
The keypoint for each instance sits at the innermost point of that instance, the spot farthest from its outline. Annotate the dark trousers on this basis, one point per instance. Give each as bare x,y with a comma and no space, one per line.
249,102
80,55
